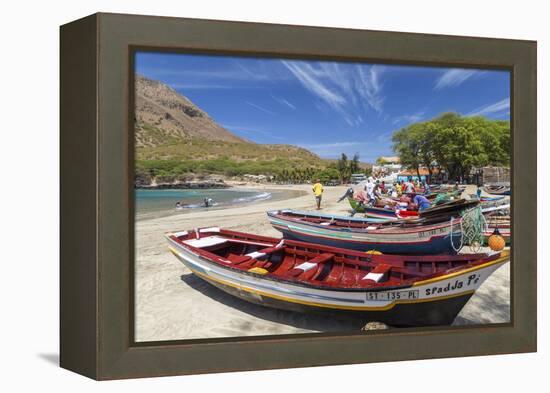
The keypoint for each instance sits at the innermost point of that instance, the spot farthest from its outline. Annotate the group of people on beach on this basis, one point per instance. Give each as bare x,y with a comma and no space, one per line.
375,190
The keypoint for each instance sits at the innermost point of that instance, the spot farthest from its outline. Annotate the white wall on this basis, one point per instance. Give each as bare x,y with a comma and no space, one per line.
29,193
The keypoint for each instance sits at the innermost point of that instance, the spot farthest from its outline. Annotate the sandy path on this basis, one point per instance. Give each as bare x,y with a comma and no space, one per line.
173,304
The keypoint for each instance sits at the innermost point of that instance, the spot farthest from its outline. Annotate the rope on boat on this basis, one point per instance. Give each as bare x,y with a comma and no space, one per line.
472,225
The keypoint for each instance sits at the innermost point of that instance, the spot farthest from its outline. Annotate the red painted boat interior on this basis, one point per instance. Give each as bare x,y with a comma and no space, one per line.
324,266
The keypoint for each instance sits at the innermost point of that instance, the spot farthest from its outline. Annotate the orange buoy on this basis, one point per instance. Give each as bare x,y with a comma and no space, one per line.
496,241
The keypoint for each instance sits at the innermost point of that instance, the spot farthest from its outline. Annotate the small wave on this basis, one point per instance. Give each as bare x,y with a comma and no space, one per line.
195,206
258,197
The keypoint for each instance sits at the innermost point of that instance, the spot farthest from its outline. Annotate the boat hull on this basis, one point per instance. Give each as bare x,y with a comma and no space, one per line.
437,245
442,312
434,301
429,240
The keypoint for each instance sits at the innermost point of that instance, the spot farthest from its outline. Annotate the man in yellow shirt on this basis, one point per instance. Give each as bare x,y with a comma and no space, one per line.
398,188
318,192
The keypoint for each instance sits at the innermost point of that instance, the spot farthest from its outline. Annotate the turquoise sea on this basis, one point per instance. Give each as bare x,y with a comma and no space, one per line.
159,203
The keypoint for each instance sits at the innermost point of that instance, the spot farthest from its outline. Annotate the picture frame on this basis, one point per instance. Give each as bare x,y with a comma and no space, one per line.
97,200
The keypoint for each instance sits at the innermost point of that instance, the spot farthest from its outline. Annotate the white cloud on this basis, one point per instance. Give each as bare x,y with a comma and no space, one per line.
369,87
260,108
283,101
500,106
332,145
454,77
408,119
251,130
309,78
348,89
198,86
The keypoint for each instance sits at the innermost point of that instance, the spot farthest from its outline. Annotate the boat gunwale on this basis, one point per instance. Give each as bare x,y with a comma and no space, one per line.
210,258
384,229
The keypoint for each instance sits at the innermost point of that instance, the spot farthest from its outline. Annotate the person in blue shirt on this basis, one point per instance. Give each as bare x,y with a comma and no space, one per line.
478,192
422,202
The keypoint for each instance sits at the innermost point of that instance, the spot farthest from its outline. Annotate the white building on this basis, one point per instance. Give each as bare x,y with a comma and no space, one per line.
388,169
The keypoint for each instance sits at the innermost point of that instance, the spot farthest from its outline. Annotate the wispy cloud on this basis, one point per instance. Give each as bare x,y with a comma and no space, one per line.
455,77
368,151
369,87
309,77
192,86
331,145
251,130
260,108
408,119
384,137
501,107
350,90
284,102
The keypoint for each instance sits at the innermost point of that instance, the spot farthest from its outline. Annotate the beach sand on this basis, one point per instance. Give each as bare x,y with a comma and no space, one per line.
173,304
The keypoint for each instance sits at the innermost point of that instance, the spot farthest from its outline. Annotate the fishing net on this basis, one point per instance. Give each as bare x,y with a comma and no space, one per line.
472,225
443,197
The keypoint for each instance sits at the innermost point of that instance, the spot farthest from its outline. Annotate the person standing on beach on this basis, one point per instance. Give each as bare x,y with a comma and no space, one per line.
318,192
369,188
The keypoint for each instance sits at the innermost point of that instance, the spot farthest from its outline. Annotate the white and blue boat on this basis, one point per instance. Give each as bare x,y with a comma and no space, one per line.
416,237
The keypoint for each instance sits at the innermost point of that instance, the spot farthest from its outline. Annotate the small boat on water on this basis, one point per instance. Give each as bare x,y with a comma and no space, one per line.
437,234
303,277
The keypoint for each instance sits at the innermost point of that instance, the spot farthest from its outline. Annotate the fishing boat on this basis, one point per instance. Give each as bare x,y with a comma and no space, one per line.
303,277
447,188
487,199
380,212
436,235
401,212
393,208
496,220
497,189
503,230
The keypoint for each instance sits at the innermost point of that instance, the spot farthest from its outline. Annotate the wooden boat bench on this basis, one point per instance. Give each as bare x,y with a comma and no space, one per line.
310,269
379,272
257,258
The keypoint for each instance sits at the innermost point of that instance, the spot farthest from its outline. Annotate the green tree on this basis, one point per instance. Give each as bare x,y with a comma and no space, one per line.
343,167
453,143
354,164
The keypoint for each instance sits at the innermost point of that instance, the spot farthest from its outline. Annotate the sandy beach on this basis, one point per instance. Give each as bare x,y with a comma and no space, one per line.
173,304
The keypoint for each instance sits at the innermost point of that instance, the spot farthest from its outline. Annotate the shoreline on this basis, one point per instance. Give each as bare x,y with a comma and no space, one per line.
276,194
173,304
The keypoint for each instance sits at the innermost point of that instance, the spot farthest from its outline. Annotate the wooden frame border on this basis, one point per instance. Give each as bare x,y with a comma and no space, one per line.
97,196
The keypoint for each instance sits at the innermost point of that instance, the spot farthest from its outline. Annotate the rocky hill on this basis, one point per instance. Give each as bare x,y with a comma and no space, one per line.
165,116
177,142
171,127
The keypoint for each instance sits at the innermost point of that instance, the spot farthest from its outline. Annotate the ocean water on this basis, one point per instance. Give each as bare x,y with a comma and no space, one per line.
160,203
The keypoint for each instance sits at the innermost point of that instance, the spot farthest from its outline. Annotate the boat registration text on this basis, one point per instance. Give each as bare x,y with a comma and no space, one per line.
397,295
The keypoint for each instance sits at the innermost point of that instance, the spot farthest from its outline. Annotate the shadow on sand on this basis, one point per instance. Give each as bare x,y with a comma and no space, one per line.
315,322
488,309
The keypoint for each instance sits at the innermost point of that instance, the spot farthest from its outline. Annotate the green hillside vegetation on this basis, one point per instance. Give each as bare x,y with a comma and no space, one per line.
454,143
202,157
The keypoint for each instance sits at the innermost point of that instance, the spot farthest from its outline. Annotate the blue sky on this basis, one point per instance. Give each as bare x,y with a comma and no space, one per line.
326,107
